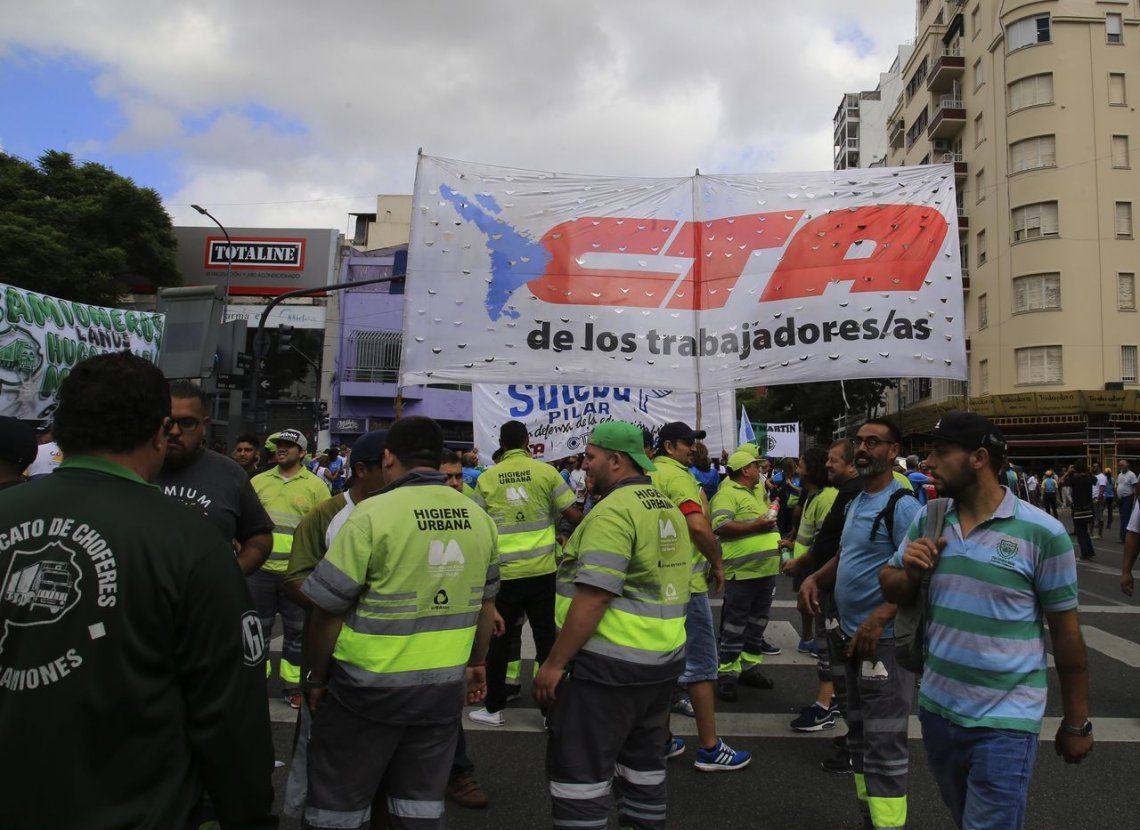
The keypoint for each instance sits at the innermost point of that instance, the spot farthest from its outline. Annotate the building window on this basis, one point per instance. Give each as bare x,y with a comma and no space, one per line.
1035,221
976,21
1039,151
374,356
983,312
1037,292
1029,31
1031,92
1116,95
1113,28
1128,364
979,79
984,376
1125,291
979,130
1120,151
980,185
1039,364
1123,220
981,248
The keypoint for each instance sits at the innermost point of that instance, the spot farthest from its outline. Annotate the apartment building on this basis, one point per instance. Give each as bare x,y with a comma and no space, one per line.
861,119
1034,105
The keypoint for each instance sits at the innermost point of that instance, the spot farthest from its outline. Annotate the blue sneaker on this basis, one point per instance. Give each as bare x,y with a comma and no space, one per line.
768,650
721,758
808,647
674,747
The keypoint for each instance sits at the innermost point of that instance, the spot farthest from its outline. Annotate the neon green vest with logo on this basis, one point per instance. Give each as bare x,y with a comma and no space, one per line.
674,480
287,501
811,519
745,557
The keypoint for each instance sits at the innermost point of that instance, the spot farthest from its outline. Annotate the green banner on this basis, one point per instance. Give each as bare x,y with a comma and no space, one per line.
42,337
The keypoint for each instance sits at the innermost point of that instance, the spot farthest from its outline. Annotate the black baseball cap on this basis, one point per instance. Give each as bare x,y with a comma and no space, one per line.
968,430
18,445
369,447
678,431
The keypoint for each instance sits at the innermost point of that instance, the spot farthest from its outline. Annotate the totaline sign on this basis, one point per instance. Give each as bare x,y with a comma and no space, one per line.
259,261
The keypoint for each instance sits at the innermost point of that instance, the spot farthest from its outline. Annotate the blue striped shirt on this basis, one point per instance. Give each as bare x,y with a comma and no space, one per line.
985,640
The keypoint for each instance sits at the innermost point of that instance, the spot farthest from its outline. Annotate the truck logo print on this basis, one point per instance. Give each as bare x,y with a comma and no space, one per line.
20,356
39,587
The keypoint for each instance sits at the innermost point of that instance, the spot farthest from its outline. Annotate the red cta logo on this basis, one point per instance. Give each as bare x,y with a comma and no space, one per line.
661,263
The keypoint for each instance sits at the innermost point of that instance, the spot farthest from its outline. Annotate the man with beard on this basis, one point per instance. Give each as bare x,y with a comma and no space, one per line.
879,690
209,483
996,570
246,454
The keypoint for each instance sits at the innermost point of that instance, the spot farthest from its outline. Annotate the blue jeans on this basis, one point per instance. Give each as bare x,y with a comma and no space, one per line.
700,648
982,773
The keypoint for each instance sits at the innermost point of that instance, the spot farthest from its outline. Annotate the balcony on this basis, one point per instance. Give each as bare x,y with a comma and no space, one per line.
949,118
896,134
949,67
965,280
958,159
963,219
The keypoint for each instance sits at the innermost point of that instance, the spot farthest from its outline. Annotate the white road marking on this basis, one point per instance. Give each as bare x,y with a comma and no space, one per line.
1110,645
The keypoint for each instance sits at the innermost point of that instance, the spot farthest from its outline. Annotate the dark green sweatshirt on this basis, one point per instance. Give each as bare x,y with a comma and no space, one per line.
131,661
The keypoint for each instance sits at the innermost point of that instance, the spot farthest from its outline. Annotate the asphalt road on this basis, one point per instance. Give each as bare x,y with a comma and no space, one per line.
784,787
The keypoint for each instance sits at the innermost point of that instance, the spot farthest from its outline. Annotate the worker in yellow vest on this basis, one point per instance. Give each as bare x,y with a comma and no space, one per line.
750,545
525,497
288,492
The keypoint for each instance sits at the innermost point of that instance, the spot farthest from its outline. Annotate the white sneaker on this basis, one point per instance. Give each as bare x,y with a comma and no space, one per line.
486,718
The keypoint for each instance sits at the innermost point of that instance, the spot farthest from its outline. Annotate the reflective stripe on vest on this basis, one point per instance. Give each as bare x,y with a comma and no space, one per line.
527,552
747,555
394,653
648,633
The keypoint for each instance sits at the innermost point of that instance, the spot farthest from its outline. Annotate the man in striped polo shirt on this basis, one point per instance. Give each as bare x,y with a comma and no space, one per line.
998,566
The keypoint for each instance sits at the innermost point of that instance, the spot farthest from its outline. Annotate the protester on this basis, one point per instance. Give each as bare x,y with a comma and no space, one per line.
1109,494
1050,491
1100,485
386,688
1125,491
788,492
675,442
703,470
879,689
523,496
471,468
1080,484
622,589
1031,486
817,501
246,454
48,455
288,491
333,472
917,478
211,484
996,568
451,465
156,691
751,562
18,450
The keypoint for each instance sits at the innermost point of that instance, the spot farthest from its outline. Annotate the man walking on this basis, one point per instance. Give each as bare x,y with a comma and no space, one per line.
209,483
404,603
1049,493
131,650
288,491
1081,484
622,589
525,498
675,442
751,548
996,569
879,690
1125,490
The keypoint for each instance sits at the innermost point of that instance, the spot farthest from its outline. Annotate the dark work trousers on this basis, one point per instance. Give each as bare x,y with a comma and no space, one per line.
269,600
353,760
743,621
1081,529
461,764
608,741
533,596
832,650
879,693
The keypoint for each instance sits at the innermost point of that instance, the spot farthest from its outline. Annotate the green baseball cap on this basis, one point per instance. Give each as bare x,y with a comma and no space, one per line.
750,448
741,459
622,436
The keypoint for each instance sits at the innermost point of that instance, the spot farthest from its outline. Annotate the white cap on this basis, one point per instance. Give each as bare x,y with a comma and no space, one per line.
292,436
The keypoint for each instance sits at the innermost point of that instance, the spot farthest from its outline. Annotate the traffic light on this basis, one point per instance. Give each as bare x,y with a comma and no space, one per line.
284,339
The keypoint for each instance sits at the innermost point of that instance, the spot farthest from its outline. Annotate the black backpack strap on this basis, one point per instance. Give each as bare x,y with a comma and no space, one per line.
887,514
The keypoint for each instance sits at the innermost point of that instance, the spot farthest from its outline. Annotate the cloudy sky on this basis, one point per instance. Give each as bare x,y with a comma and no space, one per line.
293,114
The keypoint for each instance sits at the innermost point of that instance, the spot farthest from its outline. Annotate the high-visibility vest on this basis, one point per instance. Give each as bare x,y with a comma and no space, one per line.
525,498
676,481
425,556
634,544
751,556
287,500
811,518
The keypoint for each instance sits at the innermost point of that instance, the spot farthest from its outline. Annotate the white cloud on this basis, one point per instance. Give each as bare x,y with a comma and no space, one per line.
598,87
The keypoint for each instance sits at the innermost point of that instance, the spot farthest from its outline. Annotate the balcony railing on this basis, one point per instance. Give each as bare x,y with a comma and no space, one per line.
953,157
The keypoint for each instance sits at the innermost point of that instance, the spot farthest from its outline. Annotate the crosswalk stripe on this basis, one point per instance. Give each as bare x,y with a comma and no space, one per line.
1110,645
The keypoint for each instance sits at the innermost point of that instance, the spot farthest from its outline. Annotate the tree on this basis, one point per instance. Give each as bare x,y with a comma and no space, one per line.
81,232
815,405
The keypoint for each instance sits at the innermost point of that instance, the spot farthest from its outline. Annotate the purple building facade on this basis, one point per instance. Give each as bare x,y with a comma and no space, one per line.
365,391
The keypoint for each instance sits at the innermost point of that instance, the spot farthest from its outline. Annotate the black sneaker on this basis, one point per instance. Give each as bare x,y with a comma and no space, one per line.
769,650
815,718
839,763
726,689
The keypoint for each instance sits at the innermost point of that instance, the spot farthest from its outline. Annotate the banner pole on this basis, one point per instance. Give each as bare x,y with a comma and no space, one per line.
698,288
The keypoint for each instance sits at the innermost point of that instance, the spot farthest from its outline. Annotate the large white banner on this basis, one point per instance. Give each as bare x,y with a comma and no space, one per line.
42,337
560,418
708,282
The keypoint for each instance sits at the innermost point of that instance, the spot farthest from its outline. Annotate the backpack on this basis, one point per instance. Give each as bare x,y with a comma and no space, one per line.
887,515
910,620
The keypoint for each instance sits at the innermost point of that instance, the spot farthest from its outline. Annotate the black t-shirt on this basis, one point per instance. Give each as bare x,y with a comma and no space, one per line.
1082,484
826,544
218,489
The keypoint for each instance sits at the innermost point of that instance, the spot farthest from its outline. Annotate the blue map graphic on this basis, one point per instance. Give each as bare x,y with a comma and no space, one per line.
515,258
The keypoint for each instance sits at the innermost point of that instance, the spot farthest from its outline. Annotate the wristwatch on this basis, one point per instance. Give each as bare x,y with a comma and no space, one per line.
1080,731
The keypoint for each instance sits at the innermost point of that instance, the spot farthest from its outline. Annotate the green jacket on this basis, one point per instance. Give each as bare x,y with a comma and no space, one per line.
676,481
131,660
746,557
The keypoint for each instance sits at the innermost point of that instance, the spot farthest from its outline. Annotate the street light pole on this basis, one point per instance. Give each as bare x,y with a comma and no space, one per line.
229,256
